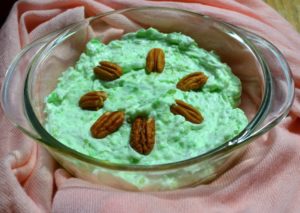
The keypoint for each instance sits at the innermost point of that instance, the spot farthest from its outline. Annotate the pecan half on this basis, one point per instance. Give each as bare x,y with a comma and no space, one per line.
107,123
108,71
142,136
192,81
92,100
155,61
187,111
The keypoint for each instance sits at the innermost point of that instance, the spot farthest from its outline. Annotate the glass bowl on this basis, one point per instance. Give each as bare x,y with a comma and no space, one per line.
267,92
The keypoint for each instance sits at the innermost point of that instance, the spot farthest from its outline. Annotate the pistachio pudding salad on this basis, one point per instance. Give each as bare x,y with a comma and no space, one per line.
149,98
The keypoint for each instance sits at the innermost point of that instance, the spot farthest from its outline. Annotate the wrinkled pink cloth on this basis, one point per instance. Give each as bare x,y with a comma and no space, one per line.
267,179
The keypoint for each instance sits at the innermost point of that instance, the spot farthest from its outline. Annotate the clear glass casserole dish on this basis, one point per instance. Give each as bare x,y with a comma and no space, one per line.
267,92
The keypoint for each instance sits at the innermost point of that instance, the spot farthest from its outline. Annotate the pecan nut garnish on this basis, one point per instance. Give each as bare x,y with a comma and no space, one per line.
187,111
193,81
155,61
92,100
108,71
107,124
142,136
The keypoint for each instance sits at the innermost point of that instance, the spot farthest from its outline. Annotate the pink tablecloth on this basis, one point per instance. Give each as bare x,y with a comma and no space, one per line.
267,179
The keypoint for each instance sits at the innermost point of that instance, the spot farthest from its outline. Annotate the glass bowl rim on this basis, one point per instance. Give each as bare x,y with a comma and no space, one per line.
225,147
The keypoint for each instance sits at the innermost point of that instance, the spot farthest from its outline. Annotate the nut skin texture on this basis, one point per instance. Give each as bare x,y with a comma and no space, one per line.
193,81
187,111
107,124
108,71
155,61
142,136
93,100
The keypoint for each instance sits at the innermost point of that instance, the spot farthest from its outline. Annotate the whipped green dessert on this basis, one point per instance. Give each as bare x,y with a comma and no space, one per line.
140,93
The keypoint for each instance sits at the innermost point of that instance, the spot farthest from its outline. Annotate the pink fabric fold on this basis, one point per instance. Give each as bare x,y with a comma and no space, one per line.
266,179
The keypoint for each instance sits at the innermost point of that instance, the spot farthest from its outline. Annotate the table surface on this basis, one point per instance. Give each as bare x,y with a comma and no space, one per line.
289,9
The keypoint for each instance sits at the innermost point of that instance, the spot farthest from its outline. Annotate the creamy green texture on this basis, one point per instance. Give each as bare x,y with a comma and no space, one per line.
137,92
